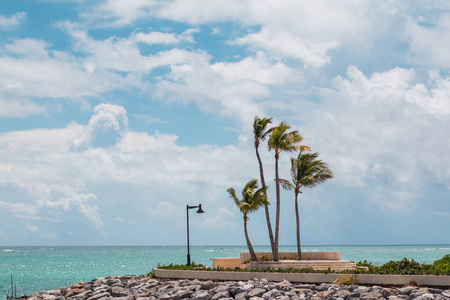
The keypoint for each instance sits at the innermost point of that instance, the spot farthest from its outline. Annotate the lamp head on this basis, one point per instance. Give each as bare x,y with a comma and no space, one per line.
200,210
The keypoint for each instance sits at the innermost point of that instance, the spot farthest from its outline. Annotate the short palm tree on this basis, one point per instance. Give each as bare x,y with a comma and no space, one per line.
261,132
252,199
282,140
306,171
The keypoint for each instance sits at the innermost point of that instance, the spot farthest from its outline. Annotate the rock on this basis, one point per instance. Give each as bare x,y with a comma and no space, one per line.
241,296
99,281
200,295
207,285
132,283
76,286
117,291
341,294
241,288
426,296
221,288
100,296
372,295
284,285
398,297
408,290
361,289
181,294
446,293
273,293
323,294
83,295
256,292
354,295
221,295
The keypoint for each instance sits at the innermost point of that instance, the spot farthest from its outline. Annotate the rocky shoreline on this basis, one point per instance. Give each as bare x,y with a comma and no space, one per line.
144,288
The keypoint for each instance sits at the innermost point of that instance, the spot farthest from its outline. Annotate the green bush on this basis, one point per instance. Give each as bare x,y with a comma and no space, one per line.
442,266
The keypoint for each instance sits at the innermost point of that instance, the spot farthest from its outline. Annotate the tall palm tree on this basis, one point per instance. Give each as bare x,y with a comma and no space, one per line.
252,199
261,132
306,171
282,140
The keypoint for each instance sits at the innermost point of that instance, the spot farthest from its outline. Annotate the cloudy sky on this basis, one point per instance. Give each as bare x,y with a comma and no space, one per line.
116,114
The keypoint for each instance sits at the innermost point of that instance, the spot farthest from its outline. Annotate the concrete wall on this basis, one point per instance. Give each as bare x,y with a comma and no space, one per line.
362,279
245,256
226,262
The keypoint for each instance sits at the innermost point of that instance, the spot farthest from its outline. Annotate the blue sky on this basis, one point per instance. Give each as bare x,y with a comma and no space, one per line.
116,114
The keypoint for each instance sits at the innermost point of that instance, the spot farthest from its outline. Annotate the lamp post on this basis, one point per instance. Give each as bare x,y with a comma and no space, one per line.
199,211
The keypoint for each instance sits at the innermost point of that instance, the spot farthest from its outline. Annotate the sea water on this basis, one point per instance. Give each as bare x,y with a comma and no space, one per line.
43,268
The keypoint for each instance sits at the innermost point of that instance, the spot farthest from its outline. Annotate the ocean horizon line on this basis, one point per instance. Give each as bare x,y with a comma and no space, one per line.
324,245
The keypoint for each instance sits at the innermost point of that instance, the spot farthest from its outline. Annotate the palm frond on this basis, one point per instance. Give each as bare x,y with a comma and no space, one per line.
309,171
285,184
260,130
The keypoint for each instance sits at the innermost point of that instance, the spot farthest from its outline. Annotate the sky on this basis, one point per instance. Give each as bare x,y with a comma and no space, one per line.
115,115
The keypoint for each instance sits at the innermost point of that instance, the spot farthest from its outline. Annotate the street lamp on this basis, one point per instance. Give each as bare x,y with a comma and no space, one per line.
199,211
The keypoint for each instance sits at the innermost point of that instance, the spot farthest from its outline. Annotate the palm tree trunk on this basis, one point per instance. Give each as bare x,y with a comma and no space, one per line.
266,207
299,249
249,245
277,220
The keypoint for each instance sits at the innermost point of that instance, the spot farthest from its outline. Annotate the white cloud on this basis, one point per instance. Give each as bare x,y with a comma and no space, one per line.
429,44
375,133
13,21
220,220
165,209
18,209
29,47
148,119
282,45
155,37
19,108
37,74
30,227
258,68
302,30
141,142
230,89
433,99
104,129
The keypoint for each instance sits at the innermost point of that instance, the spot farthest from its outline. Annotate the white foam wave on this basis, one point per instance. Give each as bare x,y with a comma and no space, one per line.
8,250
430,249
210,250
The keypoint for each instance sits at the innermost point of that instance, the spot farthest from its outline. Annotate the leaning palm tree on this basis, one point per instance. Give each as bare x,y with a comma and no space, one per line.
282,140
306,171
261,132
252,200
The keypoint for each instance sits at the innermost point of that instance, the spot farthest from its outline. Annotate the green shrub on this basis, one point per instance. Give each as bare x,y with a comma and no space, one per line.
442,266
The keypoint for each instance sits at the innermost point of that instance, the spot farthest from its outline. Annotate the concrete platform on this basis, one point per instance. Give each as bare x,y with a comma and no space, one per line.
311,260
334,265
317,278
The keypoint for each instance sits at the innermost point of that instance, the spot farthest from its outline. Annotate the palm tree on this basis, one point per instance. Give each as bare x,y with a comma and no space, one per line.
306,171
261,132
282,140
250,202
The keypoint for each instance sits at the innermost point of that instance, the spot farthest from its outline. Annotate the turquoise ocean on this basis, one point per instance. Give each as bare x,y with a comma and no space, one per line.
43,268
